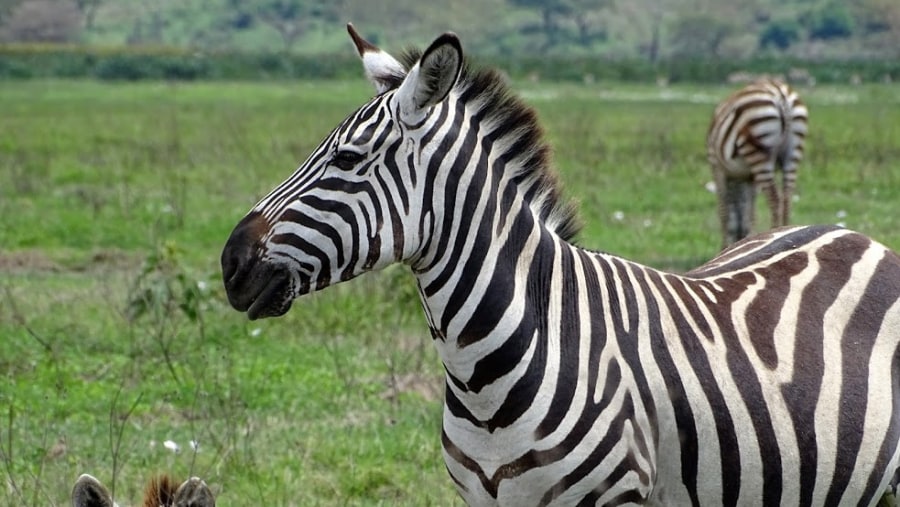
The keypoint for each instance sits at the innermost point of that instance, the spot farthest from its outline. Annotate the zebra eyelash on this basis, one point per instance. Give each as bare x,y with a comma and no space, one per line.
346,160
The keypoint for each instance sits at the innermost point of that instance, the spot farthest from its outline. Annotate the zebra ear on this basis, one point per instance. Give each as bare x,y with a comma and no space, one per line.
195,493
381,68
88,492
431,79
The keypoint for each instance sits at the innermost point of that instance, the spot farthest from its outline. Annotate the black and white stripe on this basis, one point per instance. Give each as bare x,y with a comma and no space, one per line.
767,376
754,132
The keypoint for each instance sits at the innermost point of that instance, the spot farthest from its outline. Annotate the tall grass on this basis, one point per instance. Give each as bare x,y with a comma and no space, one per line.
115,201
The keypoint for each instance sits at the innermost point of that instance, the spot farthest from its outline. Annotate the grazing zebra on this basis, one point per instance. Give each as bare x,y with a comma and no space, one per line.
767,376
754,131
161,491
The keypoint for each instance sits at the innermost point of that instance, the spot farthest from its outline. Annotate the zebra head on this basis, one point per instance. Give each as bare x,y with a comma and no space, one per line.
355,204
161,491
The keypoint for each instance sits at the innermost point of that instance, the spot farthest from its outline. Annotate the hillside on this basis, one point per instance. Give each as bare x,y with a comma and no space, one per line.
651,29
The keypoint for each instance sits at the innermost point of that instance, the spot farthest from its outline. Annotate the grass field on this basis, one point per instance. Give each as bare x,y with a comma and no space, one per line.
115,201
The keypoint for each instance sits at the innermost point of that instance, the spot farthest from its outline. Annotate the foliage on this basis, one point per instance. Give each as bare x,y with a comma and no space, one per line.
780,34
832,21
699,35
623,29
138,63
42,21
167,63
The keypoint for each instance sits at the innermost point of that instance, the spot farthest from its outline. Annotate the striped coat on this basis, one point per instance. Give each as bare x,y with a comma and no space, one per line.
767,376
755,132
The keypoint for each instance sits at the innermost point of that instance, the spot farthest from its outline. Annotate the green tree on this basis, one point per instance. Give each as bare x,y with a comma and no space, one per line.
699,35
780,34
551,12
6,8
43,21
832,21
587,15
293,18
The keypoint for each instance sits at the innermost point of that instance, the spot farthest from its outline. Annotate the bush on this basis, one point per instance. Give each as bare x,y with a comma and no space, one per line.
780,34
833,21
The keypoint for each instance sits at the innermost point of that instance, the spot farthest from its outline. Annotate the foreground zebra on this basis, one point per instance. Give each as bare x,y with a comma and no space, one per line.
755,131
767,376
161,491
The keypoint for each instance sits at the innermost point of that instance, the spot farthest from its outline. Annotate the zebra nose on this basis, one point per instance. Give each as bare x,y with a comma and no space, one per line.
239,253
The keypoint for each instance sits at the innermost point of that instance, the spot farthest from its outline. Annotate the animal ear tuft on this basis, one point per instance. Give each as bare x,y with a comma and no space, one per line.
382,69
431,79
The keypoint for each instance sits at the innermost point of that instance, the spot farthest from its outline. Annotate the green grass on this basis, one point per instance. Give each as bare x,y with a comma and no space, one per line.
115,201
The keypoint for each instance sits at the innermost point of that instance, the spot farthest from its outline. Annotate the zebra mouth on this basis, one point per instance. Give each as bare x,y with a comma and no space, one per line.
262,290
274,298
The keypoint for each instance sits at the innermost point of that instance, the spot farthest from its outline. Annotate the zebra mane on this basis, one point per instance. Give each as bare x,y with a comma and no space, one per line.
515,128
160,491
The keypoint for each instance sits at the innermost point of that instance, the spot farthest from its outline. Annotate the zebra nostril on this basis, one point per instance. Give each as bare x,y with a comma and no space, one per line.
238,253
231,264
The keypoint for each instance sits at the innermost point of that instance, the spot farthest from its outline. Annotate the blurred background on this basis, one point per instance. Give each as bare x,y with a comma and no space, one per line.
188,38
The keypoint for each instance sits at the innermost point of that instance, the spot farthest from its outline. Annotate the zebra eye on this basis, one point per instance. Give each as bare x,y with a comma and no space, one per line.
346,160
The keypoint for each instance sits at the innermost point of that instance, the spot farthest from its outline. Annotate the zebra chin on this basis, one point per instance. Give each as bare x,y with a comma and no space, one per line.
267,290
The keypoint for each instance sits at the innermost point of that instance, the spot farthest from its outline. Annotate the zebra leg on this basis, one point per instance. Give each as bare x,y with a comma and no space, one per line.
736,208
788,182
767,186
723,208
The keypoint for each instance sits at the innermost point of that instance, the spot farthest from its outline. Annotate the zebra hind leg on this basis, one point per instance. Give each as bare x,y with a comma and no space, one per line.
737,207
777,206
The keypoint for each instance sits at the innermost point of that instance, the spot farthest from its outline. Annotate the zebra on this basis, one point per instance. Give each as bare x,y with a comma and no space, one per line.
573,377
757,129
161,491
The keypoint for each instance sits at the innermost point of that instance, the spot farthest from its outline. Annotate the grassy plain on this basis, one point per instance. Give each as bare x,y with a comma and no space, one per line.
115,200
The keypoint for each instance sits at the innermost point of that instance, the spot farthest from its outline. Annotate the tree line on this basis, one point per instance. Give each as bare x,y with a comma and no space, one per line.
647,29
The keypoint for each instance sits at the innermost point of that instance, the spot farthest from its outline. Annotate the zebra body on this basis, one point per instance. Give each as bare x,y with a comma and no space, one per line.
754,132
767,376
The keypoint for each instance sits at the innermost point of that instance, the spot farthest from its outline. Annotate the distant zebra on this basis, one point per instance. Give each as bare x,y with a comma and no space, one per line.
755,131
161,491
768,376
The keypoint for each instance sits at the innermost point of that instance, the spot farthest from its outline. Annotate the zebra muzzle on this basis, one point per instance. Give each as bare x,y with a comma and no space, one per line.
253,285
262,290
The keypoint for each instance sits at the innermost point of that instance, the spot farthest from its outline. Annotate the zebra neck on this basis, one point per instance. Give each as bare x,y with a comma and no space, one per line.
489,306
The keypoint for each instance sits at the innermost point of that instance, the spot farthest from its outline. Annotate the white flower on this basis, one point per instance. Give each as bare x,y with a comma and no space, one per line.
710,186
255,332
841,214
172,446
618,216
795,198
202,285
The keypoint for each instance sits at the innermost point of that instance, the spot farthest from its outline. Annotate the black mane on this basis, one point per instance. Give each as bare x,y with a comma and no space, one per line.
527,151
